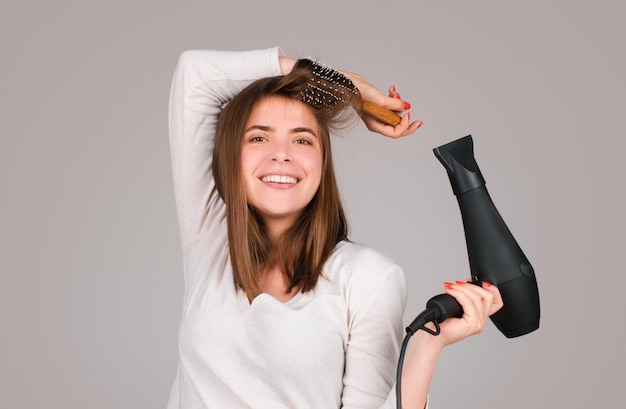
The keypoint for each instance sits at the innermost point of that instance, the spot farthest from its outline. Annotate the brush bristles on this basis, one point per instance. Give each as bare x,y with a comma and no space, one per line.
328,88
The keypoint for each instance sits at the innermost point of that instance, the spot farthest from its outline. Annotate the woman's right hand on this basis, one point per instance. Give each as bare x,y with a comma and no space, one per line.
392,101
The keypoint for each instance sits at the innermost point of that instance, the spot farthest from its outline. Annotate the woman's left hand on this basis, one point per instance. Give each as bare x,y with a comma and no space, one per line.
478,302
421,357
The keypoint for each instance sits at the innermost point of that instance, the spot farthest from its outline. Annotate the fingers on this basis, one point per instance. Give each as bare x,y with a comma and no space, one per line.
473,305
393,93
497,297
478,303
404,128
393,102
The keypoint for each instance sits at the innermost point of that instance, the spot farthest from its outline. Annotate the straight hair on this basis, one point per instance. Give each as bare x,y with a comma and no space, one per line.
303,249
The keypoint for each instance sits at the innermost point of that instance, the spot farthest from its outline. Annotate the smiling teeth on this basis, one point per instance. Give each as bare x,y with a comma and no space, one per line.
279,179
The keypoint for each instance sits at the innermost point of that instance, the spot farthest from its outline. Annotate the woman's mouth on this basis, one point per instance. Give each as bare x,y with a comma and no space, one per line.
279,179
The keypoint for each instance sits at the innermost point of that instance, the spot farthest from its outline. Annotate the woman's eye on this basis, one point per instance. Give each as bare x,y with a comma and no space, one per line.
257,139
303,141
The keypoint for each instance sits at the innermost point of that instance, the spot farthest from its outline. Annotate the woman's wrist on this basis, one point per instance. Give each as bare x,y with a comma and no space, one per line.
286,64
427,343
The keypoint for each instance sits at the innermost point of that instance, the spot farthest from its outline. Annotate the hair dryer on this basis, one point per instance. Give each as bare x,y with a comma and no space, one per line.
494,255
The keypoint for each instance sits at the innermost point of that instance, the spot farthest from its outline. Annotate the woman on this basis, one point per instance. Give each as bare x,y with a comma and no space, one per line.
280,309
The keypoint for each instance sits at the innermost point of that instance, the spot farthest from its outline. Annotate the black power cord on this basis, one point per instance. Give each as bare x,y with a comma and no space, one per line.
438,309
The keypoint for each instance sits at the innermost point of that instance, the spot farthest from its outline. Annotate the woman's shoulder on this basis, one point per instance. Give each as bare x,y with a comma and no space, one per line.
365,274
355,263
353,254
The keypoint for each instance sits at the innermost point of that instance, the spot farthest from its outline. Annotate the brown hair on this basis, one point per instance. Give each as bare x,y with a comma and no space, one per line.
304,248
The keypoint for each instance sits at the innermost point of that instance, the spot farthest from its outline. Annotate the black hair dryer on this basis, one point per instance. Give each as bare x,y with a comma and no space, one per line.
494,255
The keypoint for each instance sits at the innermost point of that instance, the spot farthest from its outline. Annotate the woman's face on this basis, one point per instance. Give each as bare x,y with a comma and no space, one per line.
281,159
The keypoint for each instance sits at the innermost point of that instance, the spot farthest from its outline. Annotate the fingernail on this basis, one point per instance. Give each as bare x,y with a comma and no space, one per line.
447,285
393,88
420,124
407,105
398,96
486,284
460,282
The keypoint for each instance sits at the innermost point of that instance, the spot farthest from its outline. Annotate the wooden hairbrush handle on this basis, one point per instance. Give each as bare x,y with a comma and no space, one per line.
384,115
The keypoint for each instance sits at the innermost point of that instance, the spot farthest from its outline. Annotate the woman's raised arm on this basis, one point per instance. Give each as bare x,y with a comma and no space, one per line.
204,81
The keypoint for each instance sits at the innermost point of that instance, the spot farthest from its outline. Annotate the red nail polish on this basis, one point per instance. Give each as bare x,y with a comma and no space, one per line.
420,124
460,282
393,88
407,105
486,284
398,96
447,285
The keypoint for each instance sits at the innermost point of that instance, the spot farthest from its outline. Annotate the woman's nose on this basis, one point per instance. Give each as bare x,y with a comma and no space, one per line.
281,153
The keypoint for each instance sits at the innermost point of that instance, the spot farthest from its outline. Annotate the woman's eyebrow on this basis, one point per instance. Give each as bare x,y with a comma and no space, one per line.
304,129
266,128
260,128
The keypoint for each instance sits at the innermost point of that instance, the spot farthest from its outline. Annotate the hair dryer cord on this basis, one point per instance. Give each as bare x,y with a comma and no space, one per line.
438,308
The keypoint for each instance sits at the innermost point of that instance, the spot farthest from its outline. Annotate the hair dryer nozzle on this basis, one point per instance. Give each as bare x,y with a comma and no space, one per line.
458,159
494,255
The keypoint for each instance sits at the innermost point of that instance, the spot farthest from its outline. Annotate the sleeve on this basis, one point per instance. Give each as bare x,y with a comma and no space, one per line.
204,81
376,309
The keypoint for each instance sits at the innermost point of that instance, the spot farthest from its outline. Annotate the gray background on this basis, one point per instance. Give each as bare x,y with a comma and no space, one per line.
91,267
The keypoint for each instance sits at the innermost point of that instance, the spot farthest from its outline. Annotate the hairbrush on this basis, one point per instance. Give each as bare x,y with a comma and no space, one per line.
331,87
384,115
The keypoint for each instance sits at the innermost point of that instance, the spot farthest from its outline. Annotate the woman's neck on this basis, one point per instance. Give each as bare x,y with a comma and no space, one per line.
274,283
277,227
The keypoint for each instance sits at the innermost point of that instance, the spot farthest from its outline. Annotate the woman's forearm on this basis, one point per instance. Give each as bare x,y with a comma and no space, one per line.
418,369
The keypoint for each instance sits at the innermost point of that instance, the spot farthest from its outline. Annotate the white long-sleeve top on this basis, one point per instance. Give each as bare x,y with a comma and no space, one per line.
333,347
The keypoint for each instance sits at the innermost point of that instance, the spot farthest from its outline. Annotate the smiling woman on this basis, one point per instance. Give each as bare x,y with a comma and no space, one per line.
281,309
